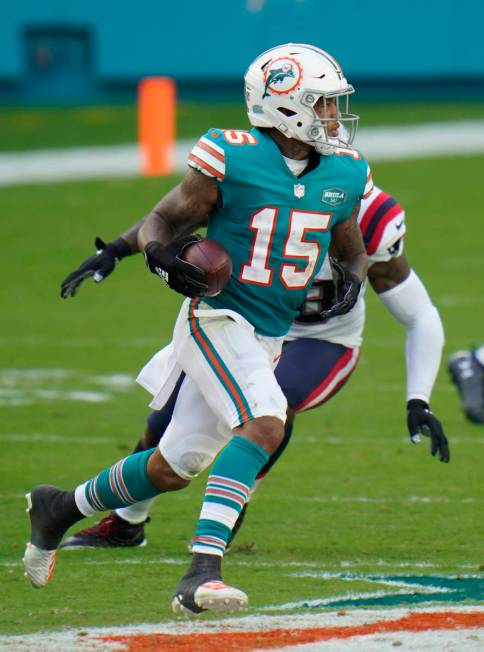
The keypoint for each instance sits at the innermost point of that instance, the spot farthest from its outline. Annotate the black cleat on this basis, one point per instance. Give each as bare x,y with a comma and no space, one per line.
52,511
468,375
112,532
202,589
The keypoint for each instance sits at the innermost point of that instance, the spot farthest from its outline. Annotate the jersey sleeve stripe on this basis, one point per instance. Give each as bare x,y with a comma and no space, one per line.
217,153
371,210
374,241
213,160
204,167
209,158
369,185
212,145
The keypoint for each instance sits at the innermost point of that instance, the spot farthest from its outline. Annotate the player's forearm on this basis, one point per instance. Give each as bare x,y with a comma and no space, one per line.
411,305
357,265
131,236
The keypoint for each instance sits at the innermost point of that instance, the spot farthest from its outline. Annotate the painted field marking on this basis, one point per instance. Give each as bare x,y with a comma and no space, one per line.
411,589
355,629
20,387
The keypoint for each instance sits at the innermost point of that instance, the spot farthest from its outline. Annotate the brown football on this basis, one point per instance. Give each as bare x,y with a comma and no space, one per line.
214,260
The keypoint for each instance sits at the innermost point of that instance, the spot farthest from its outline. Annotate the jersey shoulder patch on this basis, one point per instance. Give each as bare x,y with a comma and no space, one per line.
382,224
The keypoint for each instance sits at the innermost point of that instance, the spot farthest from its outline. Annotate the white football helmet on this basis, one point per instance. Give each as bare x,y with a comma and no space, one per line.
284,83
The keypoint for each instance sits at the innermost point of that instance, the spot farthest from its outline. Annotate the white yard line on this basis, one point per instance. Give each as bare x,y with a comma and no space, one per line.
43,438
462,138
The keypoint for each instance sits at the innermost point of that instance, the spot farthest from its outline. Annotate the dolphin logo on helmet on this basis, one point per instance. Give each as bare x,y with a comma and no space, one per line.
277,76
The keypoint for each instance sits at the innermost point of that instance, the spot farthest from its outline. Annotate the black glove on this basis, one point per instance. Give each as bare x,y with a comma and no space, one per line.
421,420
179,275
98,266
347,291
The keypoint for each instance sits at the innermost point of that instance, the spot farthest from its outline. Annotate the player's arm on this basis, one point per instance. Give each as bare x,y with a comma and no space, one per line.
405,297
349,258
179,213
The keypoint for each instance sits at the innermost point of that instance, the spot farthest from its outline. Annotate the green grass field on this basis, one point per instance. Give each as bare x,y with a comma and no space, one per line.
350,494
26,128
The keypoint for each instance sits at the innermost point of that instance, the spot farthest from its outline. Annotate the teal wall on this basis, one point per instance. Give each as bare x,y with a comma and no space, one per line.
70,49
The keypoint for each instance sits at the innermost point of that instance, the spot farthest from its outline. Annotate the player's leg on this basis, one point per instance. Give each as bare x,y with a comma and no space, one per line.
190,444
234,372
125,526
466,370
52,511
309,372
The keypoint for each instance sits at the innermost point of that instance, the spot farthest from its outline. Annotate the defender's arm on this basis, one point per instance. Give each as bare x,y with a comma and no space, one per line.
404,295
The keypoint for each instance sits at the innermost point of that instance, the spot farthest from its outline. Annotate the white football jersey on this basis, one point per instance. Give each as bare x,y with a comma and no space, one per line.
382,224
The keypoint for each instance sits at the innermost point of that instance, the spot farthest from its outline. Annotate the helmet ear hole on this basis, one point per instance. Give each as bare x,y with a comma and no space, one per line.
299,124
287,112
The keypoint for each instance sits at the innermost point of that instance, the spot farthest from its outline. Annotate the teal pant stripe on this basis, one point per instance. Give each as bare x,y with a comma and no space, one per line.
218,366
122,484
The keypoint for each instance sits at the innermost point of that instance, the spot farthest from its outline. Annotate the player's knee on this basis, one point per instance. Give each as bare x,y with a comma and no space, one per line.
266,432
162,476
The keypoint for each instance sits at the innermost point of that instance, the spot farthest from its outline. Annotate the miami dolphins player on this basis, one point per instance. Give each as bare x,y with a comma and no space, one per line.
262,194
318,358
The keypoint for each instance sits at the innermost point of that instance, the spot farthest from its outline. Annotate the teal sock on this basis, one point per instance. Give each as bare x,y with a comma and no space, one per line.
228,487
120,485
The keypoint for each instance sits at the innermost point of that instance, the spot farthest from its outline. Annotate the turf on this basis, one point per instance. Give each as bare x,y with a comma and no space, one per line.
351,491
24,129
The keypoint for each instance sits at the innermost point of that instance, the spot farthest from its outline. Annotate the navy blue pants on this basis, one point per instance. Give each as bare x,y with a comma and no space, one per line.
309,372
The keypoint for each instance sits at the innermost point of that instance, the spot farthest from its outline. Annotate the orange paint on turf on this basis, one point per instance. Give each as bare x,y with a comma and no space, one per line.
247,641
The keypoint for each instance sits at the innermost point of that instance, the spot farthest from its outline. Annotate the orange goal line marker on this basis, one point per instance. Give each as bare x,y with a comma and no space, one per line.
156,125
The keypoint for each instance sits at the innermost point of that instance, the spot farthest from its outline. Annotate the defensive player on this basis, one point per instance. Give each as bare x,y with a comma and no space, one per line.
319,357
466,369
261,193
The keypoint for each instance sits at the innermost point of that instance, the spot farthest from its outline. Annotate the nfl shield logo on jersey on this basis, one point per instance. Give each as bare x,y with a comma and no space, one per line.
299,190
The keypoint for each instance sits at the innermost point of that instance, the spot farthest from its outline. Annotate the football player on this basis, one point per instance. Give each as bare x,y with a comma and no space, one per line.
262,193
318,357
466,370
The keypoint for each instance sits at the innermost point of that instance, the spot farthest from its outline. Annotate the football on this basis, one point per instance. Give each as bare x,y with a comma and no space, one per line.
213,259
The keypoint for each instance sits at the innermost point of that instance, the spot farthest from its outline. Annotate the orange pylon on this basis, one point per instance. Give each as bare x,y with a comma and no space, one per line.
156,124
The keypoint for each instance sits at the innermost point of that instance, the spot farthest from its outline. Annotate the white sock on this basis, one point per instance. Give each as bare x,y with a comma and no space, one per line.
136,513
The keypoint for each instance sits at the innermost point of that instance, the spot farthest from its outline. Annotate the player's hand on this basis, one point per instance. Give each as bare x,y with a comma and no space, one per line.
347,291
420,420
179,275
98,266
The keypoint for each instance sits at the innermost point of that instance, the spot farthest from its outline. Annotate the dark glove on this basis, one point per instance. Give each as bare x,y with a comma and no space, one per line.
421,420
98,266
179,275
347,291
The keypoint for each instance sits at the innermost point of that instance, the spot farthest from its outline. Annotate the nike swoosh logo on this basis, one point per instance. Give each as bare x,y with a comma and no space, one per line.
214,134
399,225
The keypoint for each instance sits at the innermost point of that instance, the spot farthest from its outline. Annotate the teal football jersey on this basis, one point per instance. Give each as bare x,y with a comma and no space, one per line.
276,226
